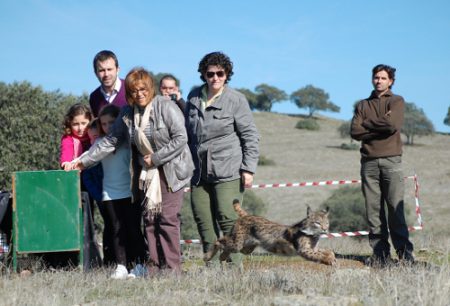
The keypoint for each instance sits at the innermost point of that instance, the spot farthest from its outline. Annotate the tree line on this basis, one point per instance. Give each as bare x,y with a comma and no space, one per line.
312,98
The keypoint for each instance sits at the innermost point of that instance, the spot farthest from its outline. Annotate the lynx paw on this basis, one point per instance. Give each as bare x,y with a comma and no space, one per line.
329,258
207,256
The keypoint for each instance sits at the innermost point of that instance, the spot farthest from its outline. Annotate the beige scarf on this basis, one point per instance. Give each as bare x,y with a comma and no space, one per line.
149,177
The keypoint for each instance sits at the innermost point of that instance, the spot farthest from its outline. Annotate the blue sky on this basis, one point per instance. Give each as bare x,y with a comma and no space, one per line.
289,44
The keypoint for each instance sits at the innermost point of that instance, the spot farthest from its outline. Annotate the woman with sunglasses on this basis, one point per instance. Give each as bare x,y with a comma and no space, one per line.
224,143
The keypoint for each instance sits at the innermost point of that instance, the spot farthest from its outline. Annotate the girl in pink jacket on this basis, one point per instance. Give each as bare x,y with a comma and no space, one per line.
75,139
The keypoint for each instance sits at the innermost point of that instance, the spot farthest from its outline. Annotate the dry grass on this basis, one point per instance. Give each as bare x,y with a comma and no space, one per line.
263,281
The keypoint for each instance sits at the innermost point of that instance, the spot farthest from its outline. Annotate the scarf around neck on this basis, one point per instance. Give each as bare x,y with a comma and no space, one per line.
149,177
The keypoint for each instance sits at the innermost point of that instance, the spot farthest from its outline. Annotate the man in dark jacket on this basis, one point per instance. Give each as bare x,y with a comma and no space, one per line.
377,123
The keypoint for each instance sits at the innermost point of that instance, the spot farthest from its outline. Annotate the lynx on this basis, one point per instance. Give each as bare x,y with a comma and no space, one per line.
301,238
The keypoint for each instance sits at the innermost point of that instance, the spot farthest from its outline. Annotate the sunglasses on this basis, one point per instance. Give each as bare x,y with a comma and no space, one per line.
210,74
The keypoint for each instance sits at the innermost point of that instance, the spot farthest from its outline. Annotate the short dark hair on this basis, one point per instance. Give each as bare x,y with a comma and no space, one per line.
103,56
389,70
169,77
216,59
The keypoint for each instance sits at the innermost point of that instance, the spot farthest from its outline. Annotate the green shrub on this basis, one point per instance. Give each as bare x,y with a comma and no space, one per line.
31,128
264,161
344,129
308,124
350,146
253,204
347,209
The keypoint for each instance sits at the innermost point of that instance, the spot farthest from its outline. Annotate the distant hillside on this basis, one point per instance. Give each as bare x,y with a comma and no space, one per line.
302,155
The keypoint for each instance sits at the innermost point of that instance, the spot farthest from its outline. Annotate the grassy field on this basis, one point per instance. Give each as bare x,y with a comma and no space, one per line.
299,156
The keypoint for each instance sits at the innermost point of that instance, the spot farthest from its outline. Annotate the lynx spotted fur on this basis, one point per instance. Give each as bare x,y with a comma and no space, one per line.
301,238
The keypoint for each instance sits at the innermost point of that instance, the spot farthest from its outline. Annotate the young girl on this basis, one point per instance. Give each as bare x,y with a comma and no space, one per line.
74,142
75,139
122,216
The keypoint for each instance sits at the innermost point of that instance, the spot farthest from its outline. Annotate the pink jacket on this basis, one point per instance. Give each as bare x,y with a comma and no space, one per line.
71,147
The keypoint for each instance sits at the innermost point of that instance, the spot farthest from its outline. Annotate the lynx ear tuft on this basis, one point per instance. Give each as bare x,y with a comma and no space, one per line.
308,210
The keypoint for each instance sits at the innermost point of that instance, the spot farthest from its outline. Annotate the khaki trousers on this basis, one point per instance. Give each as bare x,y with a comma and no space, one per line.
383,186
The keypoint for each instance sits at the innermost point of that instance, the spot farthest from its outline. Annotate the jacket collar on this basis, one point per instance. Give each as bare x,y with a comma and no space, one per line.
219,103
374,95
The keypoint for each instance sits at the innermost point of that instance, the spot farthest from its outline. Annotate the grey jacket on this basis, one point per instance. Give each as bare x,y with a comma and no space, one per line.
169,137
223,138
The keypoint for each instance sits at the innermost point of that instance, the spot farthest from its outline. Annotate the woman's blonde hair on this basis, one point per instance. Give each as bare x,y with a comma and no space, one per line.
135,76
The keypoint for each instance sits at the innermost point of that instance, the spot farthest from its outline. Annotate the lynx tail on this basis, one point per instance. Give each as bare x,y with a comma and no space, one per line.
237,207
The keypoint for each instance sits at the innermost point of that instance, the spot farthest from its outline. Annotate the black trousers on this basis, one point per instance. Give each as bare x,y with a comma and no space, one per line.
123,218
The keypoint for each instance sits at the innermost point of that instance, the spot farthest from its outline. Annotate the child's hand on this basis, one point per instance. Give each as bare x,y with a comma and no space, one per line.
67,166
148,160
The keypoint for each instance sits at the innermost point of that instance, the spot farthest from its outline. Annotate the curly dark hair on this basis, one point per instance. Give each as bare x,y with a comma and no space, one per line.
216,59
389,70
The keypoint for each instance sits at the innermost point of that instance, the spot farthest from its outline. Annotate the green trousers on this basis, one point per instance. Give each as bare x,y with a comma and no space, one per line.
212,207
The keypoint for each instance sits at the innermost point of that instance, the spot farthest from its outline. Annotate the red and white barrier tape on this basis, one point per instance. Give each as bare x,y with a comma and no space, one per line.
327,183
190,241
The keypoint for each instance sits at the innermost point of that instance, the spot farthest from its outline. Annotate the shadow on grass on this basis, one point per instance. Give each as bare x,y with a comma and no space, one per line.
364,259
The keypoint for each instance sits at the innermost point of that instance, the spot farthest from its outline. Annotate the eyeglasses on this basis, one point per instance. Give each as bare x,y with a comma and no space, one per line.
210,74
135,92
